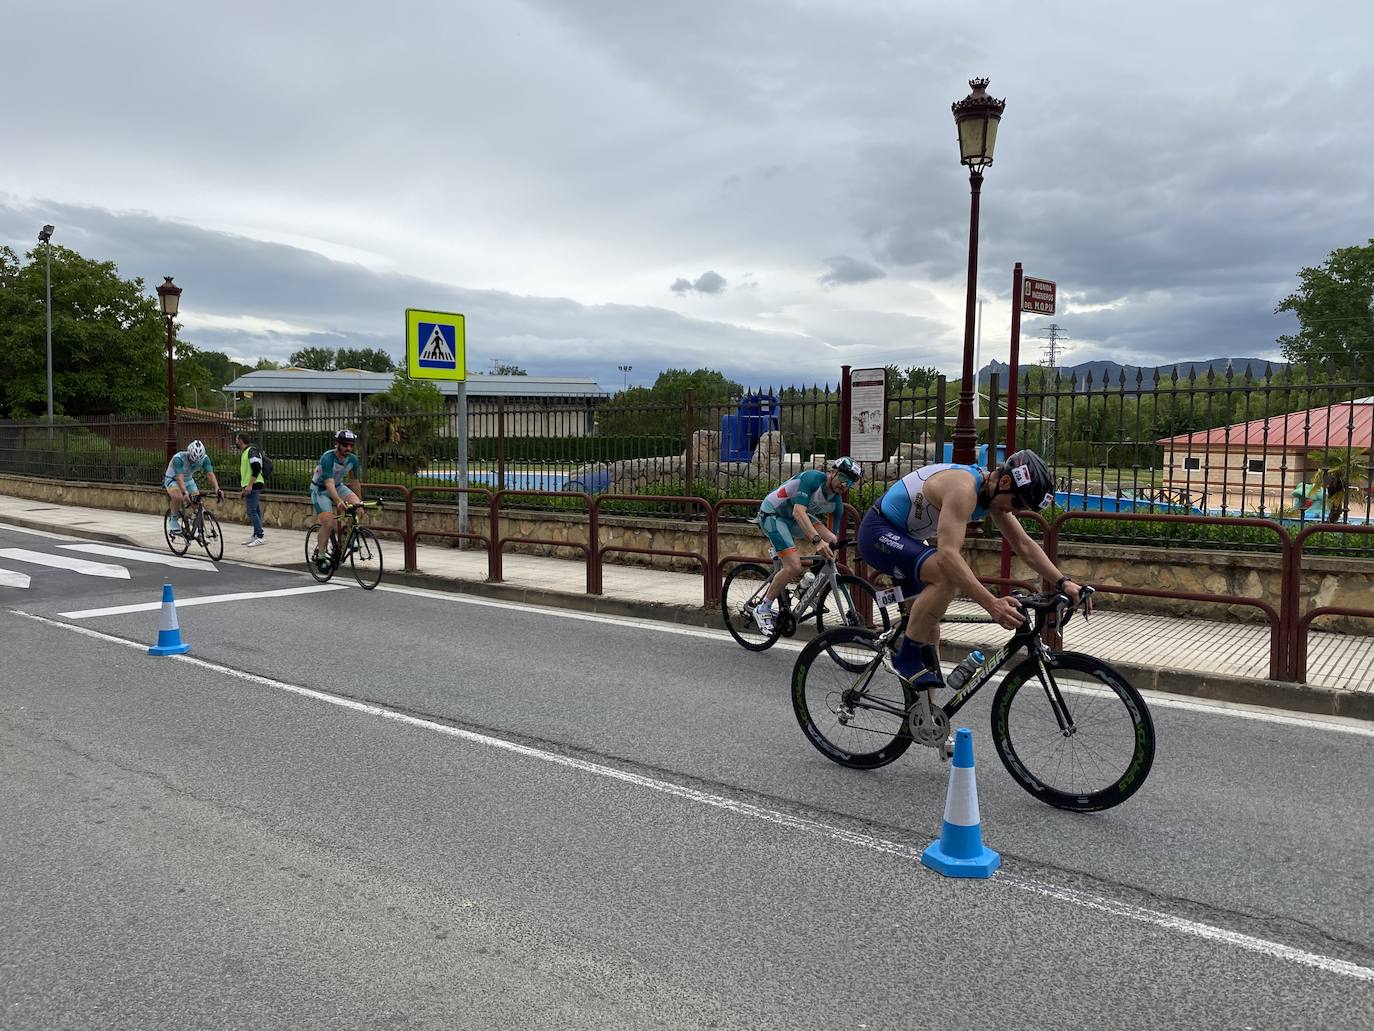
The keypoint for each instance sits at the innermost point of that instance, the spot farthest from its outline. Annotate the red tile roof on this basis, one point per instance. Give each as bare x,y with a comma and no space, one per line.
1349,424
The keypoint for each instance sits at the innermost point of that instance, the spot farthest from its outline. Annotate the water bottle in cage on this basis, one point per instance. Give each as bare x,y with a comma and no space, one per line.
960,674
804,585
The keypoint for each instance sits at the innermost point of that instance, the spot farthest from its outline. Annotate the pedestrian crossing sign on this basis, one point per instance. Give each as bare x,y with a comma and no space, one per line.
435,345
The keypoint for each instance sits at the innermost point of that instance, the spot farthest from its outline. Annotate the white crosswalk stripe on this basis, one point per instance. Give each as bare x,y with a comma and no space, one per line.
143,556
77,565
9,578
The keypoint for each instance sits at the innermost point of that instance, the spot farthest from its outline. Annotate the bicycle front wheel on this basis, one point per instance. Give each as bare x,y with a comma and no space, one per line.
310,554
744,588
1077,737
210,538
365,556
851,708
176,539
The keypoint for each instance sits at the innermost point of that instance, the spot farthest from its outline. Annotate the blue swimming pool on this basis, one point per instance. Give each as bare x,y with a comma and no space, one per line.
594,482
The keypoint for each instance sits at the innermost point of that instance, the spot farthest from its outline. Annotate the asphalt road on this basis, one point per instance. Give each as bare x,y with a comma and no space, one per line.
483,815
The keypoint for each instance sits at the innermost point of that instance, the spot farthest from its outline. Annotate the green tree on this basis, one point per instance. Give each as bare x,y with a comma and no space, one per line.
266,365
322,359
369,359
911,380
661,410
108,338
403,424
505,369
1334,304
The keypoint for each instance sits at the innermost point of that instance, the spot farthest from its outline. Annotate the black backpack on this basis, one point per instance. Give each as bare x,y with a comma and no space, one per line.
266,463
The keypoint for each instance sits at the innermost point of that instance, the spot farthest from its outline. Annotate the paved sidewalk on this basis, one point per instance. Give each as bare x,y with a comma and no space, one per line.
1192,656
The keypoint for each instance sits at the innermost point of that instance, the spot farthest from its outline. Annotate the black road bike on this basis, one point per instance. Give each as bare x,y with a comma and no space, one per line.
348,542
1067,726
198,525
823,593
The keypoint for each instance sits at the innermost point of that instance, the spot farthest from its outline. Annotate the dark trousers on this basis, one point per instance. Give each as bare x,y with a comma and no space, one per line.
252,503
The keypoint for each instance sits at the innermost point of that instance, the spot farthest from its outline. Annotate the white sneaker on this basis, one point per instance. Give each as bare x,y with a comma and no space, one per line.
175,524
764,616
254,542
249,541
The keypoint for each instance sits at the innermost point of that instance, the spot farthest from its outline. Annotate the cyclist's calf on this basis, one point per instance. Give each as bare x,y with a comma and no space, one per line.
923,624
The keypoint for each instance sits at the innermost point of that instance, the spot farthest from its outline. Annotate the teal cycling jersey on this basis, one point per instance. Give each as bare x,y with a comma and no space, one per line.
904,504
181,465
807,489
332,467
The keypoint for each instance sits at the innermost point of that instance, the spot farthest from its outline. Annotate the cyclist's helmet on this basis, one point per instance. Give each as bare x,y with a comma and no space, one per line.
195,451
848,469
1031,479
345,437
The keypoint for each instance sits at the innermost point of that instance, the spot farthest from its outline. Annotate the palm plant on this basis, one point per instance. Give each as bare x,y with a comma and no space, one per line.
1344,478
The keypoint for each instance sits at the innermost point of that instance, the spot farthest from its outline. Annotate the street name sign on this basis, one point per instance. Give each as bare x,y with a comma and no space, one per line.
1037,296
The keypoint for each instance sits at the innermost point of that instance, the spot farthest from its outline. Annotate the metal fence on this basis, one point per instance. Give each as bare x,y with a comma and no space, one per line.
1291,444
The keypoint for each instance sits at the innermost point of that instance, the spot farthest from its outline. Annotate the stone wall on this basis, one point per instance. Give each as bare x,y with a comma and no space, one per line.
1325,581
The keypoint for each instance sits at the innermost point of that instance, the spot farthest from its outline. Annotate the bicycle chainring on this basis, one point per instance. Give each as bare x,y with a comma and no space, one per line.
930,730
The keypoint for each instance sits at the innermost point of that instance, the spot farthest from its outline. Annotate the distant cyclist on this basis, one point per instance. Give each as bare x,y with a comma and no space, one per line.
328,488
179,478
786,517
936,503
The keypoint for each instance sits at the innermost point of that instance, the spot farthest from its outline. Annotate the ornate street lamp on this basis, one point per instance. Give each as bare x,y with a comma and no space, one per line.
977,117
169,296
45,238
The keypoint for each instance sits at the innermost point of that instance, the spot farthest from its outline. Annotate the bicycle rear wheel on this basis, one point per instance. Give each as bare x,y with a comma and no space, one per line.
1081,739
365,556
210,538
856,719
310,554
176,539
744,588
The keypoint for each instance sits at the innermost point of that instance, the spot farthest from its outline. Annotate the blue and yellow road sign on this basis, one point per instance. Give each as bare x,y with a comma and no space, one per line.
435,345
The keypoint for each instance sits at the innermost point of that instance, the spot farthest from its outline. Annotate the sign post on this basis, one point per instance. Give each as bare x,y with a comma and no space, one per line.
436,349
868,415
1036,296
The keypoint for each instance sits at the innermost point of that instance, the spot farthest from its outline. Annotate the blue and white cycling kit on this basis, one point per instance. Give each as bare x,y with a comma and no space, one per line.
895,534
332,467
182,465
807,489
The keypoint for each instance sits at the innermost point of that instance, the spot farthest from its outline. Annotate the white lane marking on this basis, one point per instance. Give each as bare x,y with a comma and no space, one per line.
1112,907
143,556
1311,721
211,599
9,578
76,565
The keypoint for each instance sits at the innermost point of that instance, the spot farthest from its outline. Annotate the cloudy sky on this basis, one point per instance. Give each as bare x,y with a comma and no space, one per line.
771,189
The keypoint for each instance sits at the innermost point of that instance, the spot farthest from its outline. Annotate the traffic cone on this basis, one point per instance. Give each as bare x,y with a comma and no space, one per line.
960,852
169,640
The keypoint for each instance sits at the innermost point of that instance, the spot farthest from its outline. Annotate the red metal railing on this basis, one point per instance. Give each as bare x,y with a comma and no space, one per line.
1302,625
413,535
588,549
1278,640
710,583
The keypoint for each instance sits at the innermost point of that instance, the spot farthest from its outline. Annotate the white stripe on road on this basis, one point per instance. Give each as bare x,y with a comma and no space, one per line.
143,556
210,599
1309,721
76,565
9,578
1101,904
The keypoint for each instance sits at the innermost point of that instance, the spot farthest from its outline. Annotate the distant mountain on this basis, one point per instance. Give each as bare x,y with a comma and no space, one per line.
1113,370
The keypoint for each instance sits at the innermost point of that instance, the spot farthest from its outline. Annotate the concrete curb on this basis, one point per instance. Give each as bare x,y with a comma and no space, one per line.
1211,686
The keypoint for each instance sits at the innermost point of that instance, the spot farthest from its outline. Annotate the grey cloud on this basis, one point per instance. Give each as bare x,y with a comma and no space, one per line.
846,271
706,283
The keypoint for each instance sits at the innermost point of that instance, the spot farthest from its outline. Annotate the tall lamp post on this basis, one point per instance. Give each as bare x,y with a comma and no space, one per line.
976,117
625,377
45,238
169,296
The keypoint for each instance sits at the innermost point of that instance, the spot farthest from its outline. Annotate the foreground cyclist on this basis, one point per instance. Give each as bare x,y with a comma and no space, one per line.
785,516
328,488
179,479
937,502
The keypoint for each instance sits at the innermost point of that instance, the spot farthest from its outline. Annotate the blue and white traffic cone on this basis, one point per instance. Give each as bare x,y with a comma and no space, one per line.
960,852
169,640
